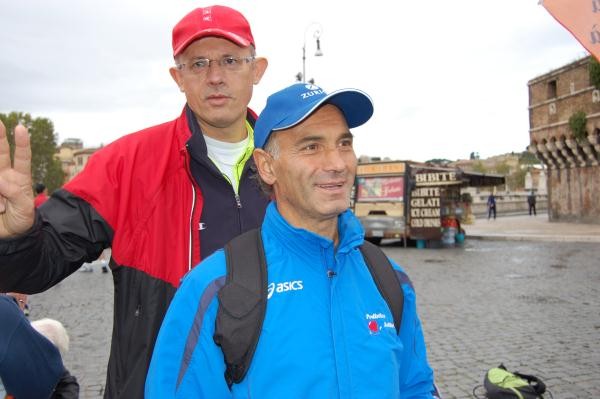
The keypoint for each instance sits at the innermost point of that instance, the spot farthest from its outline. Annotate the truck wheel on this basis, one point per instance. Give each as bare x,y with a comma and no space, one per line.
374,240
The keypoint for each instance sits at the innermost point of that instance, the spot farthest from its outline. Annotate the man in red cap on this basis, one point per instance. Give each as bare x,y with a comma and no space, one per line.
163,198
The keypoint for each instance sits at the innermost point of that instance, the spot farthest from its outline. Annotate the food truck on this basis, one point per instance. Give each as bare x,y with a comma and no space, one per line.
379,199
410,200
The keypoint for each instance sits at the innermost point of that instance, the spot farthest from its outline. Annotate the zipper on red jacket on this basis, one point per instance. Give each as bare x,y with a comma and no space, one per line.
192,228
212,168
238,199
236,195
191,241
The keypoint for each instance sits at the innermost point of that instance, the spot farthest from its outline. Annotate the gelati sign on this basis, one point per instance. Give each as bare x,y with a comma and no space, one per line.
425,203
425,222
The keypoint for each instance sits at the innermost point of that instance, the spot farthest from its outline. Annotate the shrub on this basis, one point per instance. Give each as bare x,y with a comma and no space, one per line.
577,123
594,70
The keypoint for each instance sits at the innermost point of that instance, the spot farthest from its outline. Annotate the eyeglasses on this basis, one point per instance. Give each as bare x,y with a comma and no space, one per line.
228,63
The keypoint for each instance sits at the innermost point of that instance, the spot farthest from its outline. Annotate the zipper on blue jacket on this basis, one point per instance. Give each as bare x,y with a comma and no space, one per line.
331,274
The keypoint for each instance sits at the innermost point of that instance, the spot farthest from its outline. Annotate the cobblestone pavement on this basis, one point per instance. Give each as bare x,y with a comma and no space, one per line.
83,303
532,228
535,306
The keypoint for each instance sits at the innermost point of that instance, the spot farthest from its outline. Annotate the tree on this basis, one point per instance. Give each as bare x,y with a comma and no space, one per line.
44,167
438,161
516,180
527,158
479,167
502,168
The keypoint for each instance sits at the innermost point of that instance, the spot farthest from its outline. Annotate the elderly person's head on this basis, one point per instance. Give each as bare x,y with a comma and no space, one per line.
54,331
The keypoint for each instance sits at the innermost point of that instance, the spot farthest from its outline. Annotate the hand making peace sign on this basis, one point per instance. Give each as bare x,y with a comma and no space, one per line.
17,211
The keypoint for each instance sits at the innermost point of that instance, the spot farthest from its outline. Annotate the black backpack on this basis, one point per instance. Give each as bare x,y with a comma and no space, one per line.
243,298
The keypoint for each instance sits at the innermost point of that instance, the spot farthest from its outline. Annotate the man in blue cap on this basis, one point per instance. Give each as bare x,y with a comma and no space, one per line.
327,331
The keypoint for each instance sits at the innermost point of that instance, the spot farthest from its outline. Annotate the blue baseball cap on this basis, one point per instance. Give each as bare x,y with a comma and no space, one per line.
292,105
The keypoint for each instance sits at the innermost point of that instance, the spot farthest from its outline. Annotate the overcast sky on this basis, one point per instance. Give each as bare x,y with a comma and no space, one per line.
447,77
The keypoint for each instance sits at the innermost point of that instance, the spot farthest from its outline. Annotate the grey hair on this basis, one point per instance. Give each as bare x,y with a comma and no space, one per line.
272,146
54,331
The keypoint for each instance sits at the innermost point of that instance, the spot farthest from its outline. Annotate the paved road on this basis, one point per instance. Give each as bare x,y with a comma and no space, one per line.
83,303
535,306
532,228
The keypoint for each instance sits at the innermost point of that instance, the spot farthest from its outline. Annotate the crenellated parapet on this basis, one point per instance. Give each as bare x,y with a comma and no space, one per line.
566,152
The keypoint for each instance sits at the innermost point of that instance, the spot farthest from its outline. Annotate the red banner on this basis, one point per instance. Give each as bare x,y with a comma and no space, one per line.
581,18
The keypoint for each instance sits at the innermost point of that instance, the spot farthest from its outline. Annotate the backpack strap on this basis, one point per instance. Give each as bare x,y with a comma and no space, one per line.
243,298
242,303
536,384
386,279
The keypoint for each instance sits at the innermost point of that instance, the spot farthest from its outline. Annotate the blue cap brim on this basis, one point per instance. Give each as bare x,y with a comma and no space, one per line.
291,106
354,104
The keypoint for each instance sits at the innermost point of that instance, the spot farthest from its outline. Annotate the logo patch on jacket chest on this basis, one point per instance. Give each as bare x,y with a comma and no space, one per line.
376,322
278,288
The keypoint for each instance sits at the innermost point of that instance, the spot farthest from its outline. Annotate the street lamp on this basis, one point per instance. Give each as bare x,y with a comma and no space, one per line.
317,31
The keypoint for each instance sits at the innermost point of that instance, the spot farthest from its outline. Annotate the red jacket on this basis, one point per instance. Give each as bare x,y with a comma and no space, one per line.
149,207
138,196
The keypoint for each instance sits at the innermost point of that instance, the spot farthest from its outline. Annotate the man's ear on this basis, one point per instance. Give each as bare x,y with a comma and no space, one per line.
264,164
260,66
177,77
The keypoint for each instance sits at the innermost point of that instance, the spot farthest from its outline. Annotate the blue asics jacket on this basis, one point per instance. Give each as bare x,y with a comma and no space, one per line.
327,332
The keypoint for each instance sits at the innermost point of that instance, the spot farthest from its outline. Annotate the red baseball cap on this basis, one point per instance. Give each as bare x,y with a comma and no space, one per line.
217,21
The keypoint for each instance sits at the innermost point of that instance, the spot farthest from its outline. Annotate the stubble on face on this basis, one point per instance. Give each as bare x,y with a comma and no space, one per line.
314,171
218,98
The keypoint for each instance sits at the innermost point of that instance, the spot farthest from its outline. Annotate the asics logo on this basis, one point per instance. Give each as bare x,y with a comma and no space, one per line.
278,288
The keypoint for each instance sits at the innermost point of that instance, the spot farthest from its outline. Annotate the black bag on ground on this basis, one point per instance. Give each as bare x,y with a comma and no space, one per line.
499,383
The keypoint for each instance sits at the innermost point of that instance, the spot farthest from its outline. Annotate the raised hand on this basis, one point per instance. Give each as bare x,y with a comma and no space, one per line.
17,211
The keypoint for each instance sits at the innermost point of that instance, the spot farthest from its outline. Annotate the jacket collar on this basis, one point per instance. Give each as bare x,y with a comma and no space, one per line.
195,140
308,243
